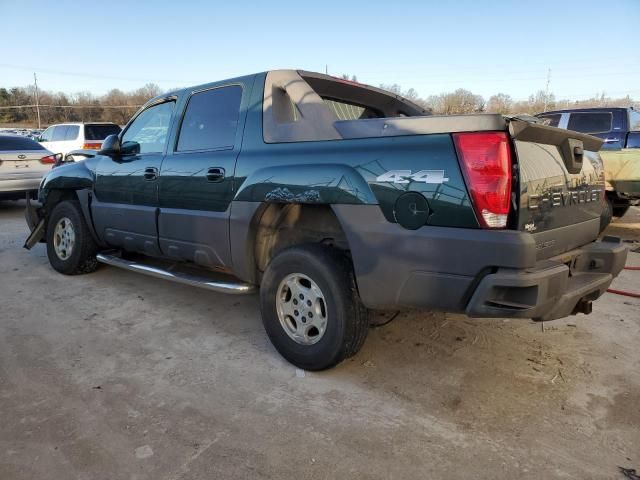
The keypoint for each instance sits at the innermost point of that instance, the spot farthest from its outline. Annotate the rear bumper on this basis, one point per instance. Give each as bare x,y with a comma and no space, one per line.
554,288
478,272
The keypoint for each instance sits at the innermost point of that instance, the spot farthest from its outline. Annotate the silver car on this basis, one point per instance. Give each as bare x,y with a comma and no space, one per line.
23,162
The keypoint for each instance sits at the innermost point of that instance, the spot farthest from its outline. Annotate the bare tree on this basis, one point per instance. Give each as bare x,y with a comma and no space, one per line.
118,106
500,103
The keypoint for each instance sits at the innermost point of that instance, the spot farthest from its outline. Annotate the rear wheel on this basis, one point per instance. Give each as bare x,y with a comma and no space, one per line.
70,246
310,307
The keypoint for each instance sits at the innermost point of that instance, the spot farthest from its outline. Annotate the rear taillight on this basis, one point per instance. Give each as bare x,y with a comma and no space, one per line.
91,146
49,159
485,158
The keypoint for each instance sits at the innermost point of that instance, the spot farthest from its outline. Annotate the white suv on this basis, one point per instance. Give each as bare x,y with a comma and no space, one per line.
64,137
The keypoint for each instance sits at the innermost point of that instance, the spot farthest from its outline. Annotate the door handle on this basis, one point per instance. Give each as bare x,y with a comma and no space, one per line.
150,173
215,174
611,140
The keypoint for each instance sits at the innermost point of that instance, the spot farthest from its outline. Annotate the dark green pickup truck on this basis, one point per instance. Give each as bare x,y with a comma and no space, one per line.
336,198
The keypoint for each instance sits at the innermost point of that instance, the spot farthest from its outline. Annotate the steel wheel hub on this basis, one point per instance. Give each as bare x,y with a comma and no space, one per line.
64,238
302,309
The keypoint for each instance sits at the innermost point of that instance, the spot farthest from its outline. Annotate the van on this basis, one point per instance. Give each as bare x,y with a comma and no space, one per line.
65,137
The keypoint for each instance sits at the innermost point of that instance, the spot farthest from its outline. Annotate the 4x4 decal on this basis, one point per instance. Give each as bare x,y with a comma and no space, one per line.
405,176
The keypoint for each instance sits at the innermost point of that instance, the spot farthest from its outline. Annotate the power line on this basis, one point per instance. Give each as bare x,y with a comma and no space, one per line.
88,75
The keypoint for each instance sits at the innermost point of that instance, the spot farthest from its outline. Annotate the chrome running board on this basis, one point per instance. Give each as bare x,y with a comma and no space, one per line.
217,282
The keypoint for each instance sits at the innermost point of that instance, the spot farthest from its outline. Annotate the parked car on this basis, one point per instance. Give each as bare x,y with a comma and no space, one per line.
337,198
620,130
23,163
65,137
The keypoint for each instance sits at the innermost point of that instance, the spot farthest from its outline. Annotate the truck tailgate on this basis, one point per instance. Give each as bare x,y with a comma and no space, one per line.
561,186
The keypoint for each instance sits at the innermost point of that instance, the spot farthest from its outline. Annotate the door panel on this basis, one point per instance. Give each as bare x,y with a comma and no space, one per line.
125,204
126,189
193,220
196,180
198,236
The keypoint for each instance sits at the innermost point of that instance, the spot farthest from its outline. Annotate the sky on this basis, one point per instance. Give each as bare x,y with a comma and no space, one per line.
432,46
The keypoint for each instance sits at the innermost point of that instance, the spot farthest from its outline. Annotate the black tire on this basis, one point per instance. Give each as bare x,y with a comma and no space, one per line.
607,214
347,319
82,255
620,210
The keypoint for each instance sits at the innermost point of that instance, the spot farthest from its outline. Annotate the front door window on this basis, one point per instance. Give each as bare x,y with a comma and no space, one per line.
149,131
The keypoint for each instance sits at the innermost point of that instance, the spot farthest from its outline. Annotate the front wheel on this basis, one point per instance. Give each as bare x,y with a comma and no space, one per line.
310,307
70,246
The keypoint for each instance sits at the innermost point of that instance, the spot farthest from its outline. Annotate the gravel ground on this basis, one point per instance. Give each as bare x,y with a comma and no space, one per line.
115,375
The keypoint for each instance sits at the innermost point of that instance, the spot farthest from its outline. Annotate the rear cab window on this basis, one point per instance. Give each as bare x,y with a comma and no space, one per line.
100,132
590,122
349,111
552,120
211,120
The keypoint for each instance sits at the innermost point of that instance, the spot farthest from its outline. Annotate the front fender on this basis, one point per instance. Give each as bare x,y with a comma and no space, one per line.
69,176
318,184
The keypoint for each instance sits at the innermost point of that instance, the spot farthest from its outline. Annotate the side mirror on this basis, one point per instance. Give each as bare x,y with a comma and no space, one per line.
111,147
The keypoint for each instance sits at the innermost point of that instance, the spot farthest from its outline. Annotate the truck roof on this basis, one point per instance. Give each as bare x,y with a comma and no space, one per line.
318,77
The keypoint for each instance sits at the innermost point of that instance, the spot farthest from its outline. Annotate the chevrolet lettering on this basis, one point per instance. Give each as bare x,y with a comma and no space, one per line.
565,199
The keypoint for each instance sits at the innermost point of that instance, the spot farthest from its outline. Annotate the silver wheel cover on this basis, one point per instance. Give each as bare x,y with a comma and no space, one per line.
64,238
302,309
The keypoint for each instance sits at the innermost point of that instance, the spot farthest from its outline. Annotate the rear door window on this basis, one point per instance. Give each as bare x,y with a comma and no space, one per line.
211,120
72,132
100,132
590,122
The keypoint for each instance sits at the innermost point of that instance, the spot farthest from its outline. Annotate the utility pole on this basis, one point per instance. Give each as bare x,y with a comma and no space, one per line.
546,90
35,79
326,69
